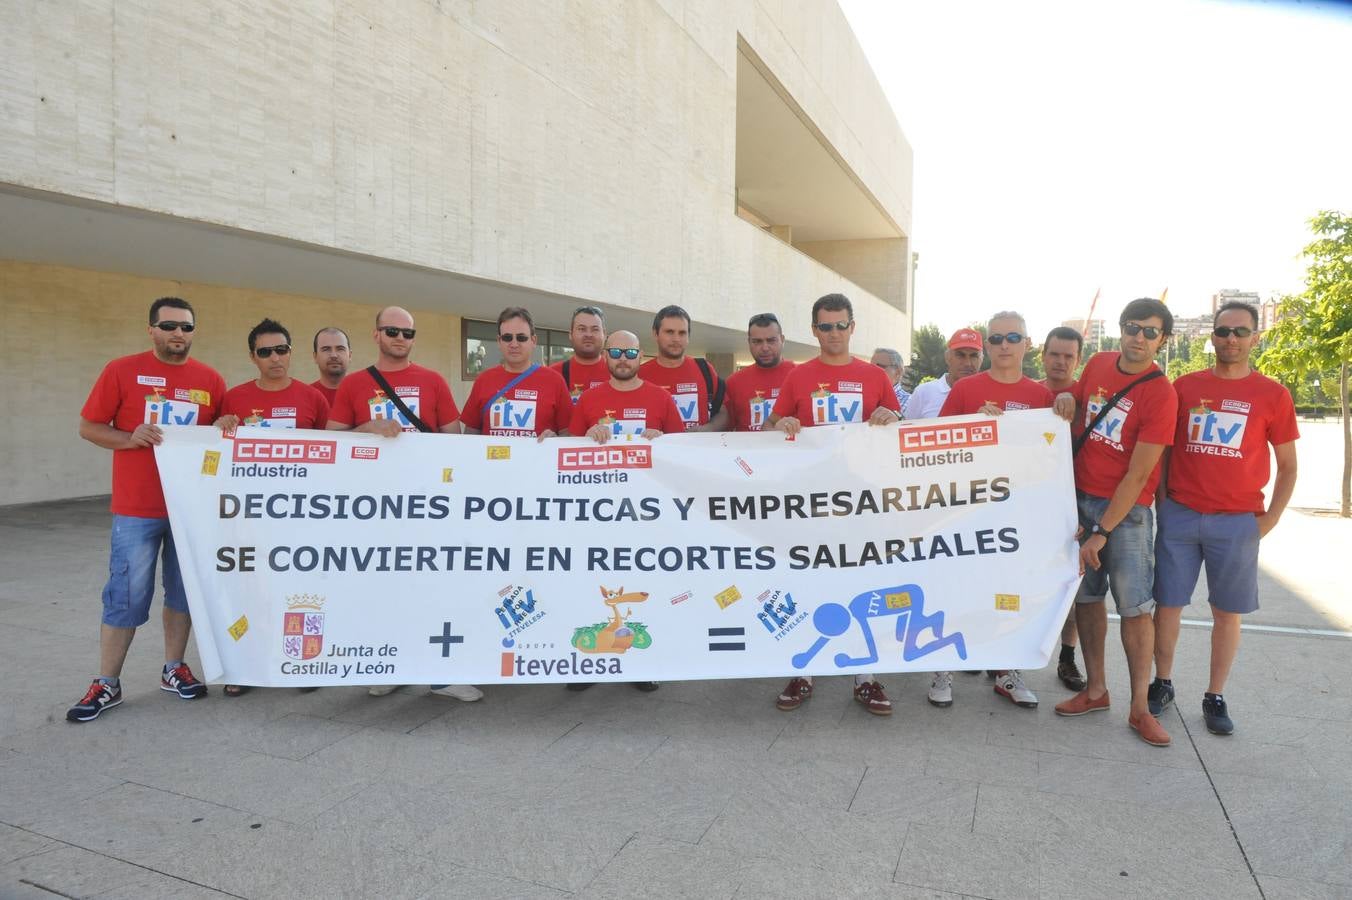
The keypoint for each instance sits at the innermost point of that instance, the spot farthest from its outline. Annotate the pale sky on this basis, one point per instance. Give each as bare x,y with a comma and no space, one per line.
1065,147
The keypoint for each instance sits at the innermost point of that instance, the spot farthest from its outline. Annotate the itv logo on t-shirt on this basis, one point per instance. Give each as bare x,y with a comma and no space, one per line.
514,415
837,408
1216,429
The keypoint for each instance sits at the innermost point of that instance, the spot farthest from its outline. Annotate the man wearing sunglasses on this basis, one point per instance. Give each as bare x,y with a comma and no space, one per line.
1210,502
691,381
132,398
1001,389
834,389
364,405
963,357
626,405
752,391
1128,409
274,399
586,368
333,354
519,398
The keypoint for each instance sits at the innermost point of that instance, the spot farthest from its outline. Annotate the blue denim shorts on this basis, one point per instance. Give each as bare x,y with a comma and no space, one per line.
1128,559
131,571
1226,542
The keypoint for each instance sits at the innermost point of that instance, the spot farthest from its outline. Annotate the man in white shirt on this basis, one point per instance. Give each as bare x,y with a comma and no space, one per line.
963,356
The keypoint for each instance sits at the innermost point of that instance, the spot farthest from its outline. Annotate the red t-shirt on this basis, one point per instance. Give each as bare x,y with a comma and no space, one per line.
423,391
972,393
627,412
1145,415
330,394
582,376
752,393
299,405
818,394
140,389
1220,463
1074,386
539,402
686,385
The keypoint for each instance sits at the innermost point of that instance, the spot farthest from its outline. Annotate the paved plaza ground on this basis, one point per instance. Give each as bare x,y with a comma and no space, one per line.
702,789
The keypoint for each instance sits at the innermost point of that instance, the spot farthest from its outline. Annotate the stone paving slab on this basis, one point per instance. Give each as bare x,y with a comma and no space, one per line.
700,789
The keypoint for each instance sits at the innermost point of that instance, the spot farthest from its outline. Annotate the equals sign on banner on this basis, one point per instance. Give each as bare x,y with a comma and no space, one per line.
739,633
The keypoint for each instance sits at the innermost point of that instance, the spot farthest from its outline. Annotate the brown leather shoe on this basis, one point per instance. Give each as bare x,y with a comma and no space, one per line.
1150,729
792,697
1081,704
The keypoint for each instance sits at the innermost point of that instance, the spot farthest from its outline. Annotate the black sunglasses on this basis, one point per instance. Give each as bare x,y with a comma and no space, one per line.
827,327
280,350
391,331
616,353
1132,329
1239,331
185,327
508,338
1013,337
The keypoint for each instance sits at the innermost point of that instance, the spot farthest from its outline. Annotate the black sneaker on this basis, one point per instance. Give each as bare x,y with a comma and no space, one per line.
1159,696
99,697
1217,715
646,686
182,681
1070,675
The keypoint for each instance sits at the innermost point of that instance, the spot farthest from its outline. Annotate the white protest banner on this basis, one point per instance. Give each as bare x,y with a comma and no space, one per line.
323,558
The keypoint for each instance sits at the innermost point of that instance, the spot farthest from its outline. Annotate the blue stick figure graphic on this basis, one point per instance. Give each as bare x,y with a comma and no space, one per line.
906,602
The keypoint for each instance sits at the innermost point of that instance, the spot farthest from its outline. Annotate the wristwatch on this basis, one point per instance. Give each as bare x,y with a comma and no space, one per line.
1099,529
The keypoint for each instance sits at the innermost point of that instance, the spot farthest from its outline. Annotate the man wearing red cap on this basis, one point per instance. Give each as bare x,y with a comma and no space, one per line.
963,357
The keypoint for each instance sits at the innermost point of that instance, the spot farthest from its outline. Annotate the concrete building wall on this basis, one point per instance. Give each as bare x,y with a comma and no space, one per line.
881,266
59,326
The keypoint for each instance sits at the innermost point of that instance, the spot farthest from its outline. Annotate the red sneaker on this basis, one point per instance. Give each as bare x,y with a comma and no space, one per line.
793,695
1081,704
870,693
1150,730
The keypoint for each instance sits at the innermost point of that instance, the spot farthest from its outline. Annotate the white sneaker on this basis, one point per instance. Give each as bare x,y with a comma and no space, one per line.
380,690
941,689
467,692
1010,684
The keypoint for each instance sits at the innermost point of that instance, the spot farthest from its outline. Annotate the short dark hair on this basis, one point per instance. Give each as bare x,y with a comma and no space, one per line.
763,320
516,312
1064,333
670,312
172,303
1144,308
1237,304
832,303
267,326
587,311
347,339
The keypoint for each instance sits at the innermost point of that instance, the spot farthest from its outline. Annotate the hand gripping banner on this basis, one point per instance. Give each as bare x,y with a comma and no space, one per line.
326,558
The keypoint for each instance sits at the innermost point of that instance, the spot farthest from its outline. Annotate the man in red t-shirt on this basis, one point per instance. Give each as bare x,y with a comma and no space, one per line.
133,397
626,405
518,398
586,368
1210,502
333,354
691,381
835,389
274,399
1061,353
752,392
1126,410
363,405
1003,388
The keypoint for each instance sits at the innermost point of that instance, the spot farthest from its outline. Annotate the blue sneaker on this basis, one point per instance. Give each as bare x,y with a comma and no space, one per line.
1159,696
180,680
99,697
1216,714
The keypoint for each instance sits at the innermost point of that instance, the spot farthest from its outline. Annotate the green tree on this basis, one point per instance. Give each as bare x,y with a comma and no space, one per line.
927,357
1314,328
1188,355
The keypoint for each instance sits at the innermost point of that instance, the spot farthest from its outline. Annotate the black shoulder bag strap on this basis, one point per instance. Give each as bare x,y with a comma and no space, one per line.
567,370
1112,401
397,400
715,396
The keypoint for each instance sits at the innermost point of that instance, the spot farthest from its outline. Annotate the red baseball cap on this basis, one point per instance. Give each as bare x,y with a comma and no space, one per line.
966,339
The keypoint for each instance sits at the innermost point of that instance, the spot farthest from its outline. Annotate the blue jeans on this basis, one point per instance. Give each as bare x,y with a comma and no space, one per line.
1127,560
131,571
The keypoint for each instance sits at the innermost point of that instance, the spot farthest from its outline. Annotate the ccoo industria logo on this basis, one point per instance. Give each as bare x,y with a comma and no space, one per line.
303,626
